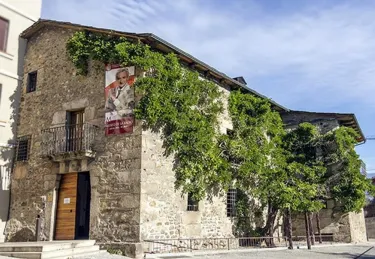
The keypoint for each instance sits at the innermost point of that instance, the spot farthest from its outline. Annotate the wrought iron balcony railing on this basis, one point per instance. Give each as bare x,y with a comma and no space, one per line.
67,139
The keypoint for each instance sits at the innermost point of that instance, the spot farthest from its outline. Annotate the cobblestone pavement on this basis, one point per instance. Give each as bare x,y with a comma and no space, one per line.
332,252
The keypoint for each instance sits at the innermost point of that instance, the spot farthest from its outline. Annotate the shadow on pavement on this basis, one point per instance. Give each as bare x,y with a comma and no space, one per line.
363,255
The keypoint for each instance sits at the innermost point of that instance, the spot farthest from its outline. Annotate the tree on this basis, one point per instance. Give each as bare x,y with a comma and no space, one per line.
305,169
253,149
343,179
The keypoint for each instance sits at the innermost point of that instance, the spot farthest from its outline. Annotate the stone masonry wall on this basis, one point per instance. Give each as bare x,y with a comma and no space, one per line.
345,227
332,222
370,227
164,212
115,171
325,123
357,226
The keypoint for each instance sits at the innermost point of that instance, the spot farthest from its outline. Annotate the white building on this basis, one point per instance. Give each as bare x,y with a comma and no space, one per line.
15,17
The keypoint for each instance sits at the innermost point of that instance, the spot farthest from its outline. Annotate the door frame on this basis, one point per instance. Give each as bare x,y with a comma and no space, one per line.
56,200
79,206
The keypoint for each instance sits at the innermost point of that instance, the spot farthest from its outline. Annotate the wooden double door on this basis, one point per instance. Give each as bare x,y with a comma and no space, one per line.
73,207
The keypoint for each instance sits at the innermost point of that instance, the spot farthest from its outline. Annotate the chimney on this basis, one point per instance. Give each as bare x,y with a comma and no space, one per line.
240,79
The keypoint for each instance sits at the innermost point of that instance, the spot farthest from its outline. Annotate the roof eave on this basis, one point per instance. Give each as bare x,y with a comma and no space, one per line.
352,115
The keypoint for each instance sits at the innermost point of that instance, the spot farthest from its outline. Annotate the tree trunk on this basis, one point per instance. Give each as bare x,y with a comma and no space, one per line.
311,229
288,228
318,227
307,231
268,229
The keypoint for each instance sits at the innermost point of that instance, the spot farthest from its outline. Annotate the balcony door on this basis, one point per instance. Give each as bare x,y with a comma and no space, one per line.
74,130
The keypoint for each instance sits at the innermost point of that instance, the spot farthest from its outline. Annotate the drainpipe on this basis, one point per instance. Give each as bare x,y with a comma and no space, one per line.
363,142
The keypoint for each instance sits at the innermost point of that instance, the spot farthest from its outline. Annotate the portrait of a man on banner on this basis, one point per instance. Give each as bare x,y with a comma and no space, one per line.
119,99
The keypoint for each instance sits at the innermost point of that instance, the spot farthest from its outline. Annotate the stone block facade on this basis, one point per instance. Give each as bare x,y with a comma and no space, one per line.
114,172
132,184
370,227
164,212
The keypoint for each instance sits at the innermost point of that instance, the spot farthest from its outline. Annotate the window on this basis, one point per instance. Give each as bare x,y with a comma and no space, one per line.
4,27
23,148
231,202
74,130
31,82
230,132
192,204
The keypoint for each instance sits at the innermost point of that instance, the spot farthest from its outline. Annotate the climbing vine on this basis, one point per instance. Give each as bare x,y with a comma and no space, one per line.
175,102
257,159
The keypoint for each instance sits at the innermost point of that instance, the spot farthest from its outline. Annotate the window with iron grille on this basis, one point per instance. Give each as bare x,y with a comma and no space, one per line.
31,82
23,148
192,204
231,202
4,27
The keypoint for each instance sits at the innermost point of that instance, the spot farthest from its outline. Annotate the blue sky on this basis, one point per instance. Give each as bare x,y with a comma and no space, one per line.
316,55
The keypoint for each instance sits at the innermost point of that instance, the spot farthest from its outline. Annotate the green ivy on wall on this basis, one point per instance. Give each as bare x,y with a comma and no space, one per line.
257,157
175,102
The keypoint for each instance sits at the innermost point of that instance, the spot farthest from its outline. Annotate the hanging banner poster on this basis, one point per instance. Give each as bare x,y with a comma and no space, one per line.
119,99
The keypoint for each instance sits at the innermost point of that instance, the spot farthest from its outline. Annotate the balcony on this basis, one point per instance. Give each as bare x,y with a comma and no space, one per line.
69,142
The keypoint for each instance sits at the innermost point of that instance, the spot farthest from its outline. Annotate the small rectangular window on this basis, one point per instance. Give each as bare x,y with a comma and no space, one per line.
231,202
192,204
4,28
230,132
23,148
31,82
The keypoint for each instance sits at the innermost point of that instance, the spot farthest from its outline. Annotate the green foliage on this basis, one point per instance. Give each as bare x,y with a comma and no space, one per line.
304,170
115,251
256,155
84,45
175,102
253,146
344,180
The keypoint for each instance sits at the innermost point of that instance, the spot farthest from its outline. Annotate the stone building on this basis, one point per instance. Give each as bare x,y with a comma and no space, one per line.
349,227
80,182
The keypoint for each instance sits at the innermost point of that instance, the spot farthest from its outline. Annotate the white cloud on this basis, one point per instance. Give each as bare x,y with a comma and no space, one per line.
329,50
310,58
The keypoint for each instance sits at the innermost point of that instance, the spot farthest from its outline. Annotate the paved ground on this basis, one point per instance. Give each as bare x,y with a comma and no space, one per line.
103,256
363,251
333,252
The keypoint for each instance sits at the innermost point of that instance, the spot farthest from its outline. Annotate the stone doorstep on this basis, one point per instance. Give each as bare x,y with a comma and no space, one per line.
44,246
65,253
54,249
214,252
